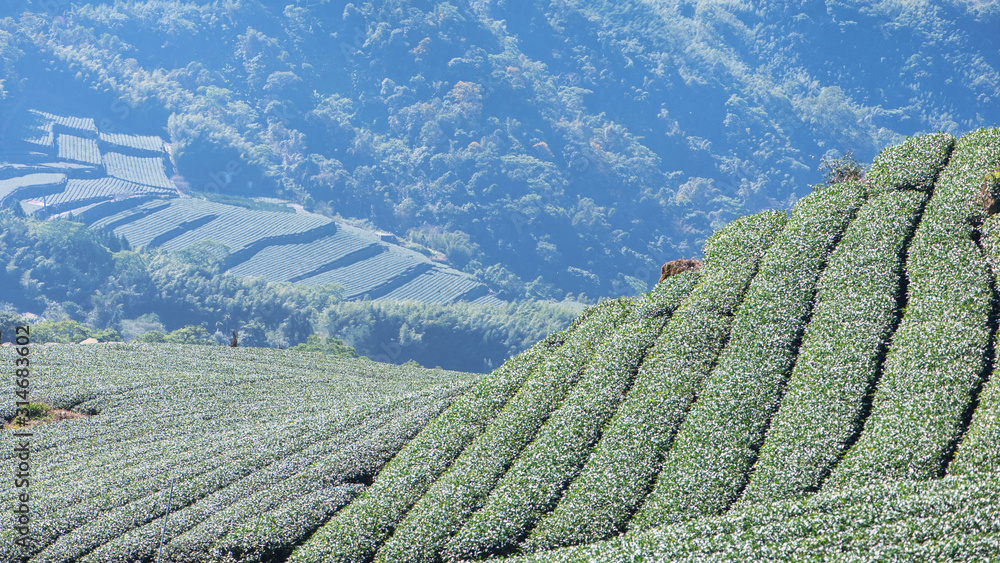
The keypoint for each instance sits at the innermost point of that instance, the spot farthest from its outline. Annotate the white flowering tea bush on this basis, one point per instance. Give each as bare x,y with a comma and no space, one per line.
842,348
913,164
615,479
464,488
951,519
715,446
225,423
979,451
544,377
937,359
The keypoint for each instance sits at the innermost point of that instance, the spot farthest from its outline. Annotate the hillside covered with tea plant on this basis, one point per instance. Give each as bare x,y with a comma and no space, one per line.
253,442
822,388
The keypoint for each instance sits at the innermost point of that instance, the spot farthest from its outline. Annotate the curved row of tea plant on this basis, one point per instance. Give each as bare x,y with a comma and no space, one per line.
622,465
361,457
913,164
349,463
842,349
951,519
715,446
537,477
938,357
221,424
442,510
978,449
509,405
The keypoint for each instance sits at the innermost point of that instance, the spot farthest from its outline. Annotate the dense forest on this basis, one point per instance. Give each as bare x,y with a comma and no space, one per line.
551,148
88,283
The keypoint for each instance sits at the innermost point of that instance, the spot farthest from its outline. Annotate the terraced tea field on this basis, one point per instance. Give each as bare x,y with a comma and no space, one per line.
251,439
437,285
293,262
78,149
81,193
138,145
375,274
146,170
823,389
300,248
99,166
64,166
31,186
245,231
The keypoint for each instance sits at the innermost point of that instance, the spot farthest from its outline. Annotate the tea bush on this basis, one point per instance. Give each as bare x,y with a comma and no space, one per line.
937,357
842,349
717,443
614,481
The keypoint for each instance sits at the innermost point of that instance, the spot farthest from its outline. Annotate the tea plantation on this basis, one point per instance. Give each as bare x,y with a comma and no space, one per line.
247,436
63,166
823,389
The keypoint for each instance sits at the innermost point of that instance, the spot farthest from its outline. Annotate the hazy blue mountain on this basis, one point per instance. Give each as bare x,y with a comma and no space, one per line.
549,147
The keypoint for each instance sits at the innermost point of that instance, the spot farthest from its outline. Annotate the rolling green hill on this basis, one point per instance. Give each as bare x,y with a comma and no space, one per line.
250,437
823,389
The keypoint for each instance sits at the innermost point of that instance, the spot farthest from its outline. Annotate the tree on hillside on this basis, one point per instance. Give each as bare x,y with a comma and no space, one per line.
190,334
842,169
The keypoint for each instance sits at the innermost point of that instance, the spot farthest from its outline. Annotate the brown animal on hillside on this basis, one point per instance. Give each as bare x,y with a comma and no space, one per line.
235,341
989,193
675,267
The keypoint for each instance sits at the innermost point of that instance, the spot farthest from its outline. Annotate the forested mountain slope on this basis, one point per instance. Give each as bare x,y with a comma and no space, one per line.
551,148
824,387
